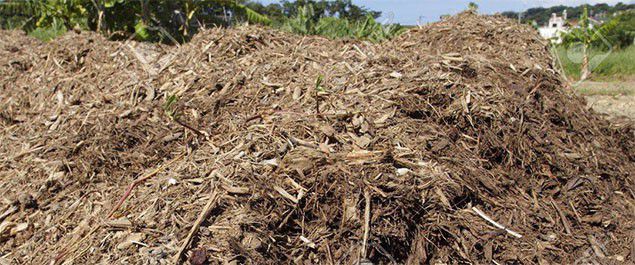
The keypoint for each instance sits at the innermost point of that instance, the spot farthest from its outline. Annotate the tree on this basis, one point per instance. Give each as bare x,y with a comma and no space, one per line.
304,22
472,7
586,41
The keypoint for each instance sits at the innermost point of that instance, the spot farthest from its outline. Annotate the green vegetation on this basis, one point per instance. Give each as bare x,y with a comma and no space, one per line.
307,22
49,32
604,65
601,53
617,33
620,30
343,9
606,89
616,23
585,37
153,20
593,49
178,20
332,19
170,106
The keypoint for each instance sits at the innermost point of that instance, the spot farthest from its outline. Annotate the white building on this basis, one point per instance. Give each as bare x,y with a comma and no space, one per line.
555,26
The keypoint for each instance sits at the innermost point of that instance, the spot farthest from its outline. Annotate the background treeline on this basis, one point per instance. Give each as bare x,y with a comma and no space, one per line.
178,20
541,15
340,8
334,19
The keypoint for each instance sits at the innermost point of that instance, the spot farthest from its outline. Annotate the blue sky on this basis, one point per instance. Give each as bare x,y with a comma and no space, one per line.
411,11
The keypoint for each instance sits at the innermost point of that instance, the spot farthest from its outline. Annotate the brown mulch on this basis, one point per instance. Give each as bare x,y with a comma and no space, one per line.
308,150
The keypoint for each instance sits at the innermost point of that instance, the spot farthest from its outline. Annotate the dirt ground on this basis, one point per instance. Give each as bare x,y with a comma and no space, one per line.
617,99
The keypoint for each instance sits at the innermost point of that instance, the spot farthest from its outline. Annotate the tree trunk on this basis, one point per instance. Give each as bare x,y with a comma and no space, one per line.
100,17
584,71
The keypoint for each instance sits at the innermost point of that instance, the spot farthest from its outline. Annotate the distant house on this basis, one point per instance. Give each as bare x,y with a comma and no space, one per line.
558,25
593,22
554,27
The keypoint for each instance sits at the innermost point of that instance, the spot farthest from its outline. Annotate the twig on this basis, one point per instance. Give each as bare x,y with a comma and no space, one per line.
286,194
258,116
329,255
11,210
575,212
500,226
565,222
598,248
301,142
139,181
366,223
189,127
26,153
206,211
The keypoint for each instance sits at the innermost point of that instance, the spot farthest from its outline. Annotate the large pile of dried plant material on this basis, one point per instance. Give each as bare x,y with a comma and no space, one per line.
455,143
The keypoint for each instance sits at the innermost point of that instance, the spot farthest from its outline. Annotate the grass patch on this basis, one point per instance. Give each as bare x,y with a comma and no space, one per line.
606,88
48,33
618,64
